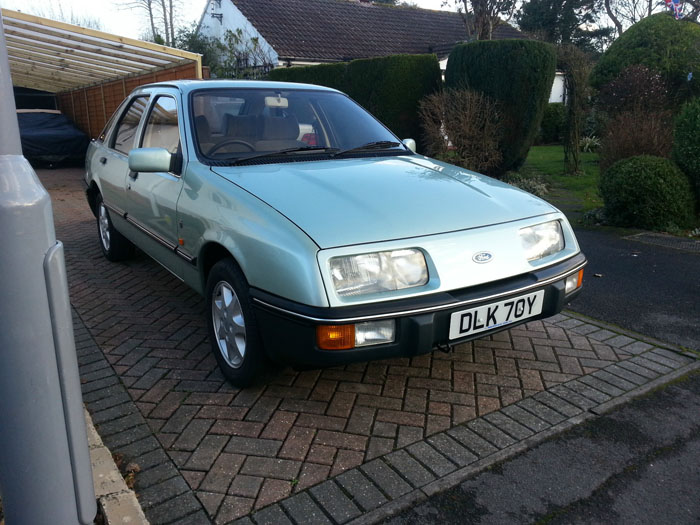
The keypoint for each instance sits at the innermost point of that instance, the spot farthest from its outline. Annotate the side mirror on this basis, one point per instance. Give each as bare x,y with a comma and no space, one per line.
410,144
151,160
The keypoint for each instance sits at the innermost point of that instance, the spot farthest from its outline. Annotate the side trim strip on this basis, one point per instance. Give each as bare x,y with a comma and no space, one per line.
430,309
170,246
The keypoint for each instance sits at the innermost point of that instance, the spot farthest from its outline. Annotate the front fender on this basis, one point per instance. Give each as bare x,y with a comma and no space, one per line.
273,253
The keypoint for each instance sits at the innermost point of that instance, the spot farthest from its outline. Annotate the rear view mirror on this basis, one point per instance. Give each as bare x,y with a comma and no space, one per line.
151,160
277,102
410,144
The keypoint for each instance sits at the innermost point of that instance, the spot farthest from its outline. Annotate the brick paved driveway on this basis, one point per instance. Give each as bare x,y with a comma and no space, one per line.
220,453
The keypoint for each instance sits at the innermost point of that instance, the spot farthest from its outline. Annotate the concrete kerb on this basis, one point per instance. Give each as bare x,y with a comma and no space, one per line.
573,394
116,501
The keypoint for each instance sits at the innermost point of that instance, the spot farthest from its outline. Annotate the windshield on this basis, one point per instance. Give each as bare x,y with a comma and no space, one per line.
241,124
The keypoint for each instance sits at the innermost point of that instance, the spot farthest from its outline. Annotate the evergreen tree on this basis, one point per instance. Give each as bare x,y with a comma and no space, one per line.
564,22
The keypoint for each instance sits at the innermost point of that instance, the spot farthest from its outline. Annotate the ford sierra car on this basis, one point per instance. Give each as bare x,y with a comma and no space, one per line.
317,236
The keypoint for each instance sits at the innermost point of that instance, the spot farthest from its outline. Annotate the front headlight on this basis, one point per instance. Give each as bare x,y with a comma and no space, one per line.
542,240
378,272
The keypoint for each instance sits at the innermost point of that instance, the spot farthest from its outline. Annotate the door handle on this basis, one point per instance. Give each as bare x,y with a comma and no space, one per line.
103,160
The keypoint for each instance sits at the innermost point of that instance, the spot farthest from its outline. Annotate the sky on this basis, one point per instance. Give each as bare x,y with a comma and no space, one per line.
121,21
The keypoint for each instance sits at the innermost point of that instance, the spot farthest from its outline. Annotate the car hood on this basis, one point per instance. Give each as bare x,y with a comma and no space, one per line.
342,202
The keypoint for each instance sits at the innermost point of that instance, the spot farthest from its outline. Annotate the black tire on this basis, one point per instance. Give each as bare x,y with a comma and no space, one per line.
115,247
233,331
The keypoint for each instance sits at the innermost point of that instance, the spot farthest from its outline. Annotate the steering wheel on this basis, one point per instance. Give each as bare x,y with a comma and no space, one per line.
230,142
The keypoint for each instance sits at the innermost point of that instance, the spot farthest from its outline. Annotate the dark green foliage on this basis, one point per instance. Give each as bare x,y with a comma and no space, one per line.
553,124
563,22
647,192
389,87
329,75
686,142
661,43
516,73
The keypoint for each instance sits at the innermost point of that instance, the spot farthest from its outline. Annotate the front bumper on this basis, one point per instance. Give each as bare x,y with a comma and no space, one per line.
288,329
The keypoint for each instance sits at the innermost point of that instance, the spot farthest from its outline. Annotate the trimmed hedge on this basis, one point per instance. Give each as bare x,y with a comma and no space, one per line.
661,43
553,124
516,73
686,142
389,87
647,192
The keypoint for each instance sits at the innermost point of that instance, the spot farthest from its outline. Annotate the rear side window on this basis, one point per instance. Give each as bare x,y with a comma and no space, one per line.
161,128
125,133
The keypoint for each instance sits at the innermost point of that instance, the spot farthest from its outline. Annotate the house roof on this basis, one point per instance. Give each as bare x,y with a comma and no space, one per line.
331,30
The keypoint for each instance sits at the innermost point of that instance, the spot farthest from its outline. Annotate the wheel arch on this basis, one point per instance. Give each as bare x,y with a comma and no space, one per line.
91,193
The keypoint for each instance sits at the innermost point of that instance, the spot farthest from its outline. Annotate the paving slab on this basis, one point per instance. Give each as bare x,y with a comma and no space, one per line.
319,445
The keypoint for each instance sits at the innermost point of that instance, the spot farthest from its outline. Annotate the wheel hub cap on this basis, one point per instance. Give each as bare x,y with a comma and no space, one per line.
229,324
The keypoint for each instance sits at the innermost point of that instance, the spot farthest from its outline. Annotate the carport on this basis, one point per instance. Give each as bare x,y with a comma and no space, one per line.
90,72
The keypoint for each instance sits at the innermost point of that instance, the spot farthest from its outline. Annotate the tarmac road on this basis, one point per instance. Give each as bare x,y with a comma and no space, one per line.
649,289
639,464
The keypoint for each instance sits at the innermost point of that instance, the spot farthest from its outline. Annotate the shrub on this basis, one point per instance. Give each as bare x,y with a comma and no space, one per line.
636,132
647,192
535,185
589,144
461,127
686,142
389,87
553,124
518,74
636,87
661,43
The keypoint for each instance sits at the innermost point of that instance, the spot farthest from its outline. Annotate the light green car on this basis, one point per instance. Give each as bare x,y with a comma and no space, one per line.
317,237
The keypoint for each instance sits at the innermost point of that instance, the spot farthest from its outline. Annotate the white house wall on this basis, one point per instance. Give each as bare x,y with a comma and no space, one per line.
232,19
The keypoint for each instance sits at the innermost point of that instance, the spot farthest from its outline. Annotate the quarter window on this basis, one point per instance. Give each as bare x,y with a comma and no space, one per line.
161,128
125,134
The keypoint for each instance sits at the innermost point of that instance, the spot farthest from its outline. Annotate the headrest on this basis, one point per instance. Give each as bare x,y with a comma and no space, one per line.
243,127
203,130
280,128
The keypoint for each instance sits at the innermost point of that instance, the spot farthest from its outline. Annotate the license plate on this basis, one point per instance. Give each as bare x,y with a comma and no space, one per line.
487,317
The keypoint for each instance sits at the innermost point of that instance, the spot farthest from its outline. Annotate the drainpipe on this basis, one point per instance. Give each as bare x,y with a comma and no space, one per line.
45,473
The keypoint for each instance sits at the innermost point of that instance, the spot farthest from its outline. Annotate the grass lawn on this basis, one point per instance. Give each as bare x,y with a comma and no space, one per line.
573,194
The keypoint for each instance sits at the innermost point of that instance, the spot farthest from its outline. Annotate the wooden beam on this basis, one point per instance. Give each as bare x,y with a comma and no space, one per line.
10,15
29,69
61,63
77,34
95,50
38,82
54,51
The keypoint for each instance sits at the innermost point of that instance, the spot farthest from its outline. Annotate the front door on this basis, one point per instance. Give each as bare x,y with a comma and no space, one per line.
152,197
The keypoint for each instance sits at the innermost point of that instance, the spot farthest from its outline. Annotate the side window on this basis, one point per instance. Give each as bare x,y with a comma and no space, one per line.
108,125
125,133
161,127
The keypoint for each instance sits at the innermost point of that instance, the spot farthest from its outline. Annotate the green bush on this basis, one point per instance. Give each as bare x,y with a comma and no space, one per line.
516,73
553,124
647,192
661,43
389,87
686,142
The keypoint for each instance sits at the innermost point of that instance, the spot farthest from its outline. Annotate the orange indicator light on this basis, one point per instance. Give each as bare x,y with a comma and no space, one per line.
335,337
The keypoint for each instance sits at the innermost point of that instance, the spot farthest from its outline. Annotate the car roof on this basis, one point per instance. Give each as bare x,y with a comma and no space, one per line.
192,85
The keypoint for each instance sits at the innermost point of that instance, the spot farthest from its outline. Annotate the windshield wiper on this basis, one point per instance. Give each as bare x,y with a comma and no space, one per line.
280,152
376,145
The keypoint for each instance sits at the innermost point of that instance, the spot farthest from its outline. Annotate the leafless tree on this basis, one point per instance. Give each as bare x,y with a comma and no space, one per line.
481,17
58,12
162,16
624,13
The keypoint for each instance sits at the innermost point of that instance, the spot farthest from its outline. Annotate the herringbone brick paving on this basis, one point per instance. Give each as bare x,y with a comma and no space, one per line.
241,450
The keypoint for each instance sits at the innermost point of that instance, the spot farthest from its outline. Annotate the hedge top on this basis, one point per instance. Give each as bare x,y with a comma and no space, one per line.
660,42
